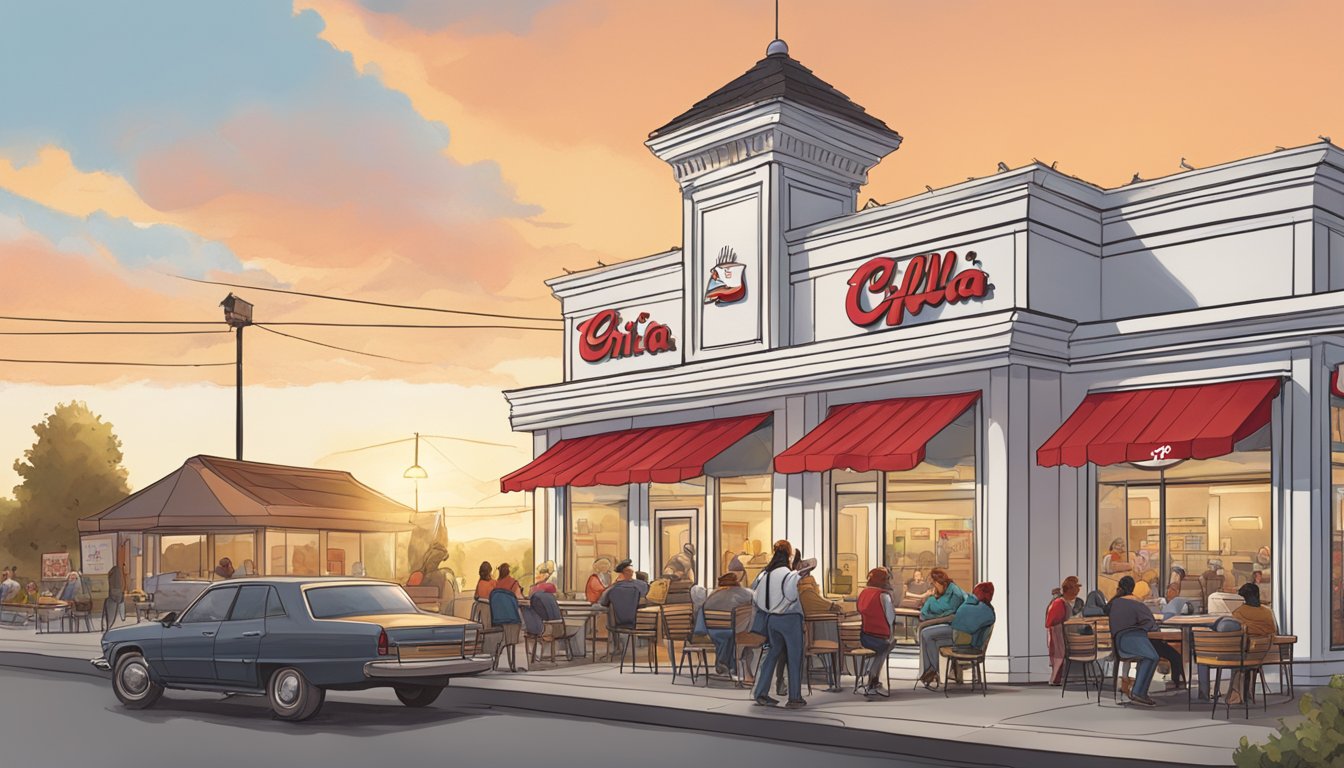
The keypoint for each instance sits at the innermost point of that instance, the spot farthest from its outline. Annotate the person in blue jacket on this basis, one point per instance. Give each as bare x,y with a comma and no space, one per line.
935,617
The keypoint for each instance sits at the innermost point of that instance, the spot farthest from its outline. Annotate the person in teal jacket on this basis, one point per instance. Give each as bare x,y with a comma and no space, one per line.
947,597
935,618
970,626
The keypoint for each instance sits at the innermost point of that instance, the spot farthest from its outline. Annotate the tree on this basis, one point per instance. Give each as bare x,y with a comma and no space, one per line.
72,471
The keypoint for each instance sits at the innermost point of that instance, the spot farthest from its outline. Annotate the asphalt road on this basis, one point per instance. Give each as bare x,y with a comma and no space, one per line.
53,719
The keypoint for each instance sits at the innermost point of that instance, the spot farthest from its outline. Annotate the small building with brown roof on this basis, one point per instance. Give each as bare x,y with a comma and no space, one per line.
267,519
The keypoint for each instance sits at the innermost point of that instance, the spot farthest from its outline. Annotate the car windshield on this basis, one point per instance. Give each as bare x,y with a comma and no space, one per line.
358,600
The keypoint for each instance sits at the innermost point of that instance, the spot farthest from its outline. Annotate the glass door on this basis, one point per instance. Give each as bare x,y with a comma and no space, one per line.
674,543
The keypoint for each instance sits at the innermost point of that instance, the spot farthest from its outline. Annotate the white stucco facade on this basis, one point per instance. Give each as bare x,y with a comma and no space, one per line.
1224,273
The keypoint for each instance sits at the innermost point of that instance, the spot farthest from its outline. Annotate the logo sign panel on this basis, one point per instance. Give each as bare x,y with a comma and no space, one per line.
880,292
605,337
727,279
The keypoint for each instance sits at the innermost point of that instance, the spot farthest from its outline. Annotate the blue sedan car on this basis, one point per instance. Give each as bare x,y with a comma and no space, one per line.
291,639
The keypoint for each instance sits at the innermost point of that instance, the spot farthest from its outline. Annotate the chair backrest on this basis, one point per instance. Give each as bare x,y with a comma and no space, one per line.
850,632
1078,645
647,621
678,621
1210,585
504,608
1218,648
1102,629
720,620
532,623
546,606
1257,647
480,613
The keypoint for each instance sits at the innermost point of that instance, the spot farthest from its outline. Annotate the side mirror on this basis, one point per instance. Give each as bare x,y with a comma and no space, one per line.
168,619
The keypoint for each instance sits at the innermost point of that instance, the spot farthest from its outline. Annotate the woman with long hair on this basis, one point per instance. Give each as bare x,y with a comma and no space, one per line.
935,615
1061,609
485,584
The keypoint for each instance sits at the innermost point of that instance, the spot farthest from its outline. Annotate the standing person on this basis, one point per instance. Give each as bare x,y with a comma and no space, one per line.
728,597
934,615
1061,609
879,620
598,580
1131,621
485,583
776,595
506,581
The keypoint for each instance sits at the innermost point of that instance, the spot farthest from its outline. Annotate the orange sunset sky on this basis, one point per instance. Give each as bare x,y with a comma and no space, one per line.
455,154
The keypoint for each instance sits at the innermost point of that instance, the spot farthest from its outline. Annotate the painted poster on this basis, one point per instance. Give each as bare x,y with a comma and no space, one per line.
55,566
97,554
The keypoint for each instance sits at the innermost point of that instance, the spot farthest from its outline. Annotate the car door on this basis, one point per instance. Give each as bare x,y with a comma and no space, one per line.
239,638
189,643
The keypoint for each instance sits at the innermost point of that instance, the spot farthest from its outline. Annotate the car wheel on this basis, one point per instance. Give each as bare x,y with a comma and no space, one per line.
418,695
132,683
292,697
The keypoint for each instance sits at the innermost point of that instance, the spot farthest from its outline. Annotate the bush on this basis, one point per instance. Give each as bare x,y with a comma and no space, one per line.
1316,741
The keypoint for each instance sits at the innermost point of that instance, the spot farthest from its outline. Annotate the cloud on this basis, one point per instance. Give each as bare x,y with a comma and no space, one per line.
472,16
135,246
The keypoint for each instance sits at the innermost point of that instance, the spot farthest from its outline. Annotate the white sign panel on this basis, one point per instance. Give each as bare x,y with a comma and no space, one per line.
98,554
729,273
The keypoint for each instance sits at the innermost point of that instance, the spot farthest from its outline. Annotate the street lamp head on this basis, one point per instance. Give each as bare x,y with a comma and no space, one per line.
237,312
415,472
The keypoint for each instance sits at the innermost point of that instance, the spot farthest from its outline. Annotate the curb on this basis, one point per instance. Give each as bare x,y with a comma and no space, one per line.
803,733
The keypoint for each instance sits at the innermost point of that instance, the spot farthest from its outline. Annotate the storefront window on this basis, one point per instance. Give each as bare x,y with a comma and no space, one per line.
931,509
378,556
240,548
677,509
1337,522
1209,517
854,499
599,519
343,554
744,521
184,554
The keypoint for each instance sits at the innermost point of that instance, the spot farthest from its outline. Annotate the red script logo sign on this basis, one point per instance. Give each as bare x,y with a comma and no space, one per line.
603,337
927,282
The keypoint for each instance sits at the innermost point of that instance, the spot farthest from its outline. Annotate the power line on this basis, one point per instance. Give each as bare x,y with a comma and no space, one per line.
414,325
333,346
104,333
364,301
111,362
108,322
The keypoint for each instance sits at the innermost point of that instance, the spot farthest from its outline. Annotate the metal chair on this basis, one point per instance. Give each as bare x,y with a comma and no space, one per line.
744,642
822,648
957,655
645,628
1228,651
852,649
1285,645
715,621
1080,647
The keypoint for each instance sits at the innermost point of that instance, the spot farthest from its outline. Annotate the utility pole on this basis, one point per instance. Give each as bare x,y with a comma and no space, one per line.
416,472
238,314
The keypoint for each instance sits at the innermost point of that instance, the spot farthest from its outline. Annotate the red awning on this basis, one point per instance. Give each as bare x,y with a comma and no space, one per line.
667,454
887,435
1194,422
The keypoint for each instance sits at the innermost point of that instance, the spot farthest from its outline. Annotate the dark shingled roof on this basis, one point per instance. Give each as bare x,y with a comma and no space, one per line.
777,76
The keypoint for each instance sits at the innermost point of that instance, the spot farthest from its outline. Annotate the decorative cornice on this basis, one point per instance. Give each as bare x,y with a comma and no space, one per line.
766,140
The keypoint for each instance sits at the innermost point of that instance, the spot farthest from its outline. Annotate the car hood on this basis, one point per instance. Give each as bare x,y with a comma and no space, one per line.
150,630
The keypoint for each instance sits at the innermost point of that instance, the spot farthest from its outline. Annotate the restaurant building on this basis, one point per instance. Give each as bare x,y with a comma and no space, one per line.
268,519
1018,378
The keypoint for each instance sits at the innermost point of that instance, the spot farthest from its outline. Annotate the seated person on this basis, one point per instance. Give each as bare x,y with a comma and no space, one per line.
917,588
485,584
544,582
809,592
969,627
624,597
727,597
598,580
9,588
1253,618
507,582
938,609
879,621
545,607
1131,621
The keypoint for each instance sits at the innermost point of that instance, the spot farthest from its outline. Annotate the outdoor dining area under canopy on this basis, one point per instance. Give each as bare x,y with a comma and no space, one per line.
267,519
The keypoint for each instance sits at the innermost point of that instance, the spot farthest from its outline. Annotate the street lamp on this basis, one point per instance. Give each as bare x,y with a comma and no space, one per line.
238,315
416,472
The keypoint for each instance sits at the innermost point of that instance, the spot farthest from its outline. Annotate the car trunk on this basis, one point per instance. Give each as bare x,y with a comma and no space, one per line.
419,636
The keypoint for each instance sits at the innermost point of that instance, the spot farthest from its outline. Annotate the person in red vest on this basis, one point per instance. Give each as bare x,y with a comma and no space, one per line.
879,616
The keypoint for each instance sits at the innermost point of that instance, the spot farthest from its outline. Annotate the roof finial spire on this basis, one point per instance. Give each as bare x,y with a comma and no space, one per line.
777,46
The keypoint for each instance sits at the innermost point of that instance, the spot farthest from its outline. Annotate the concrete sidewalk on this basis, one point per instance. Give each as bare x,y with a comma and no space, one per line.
1027,725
